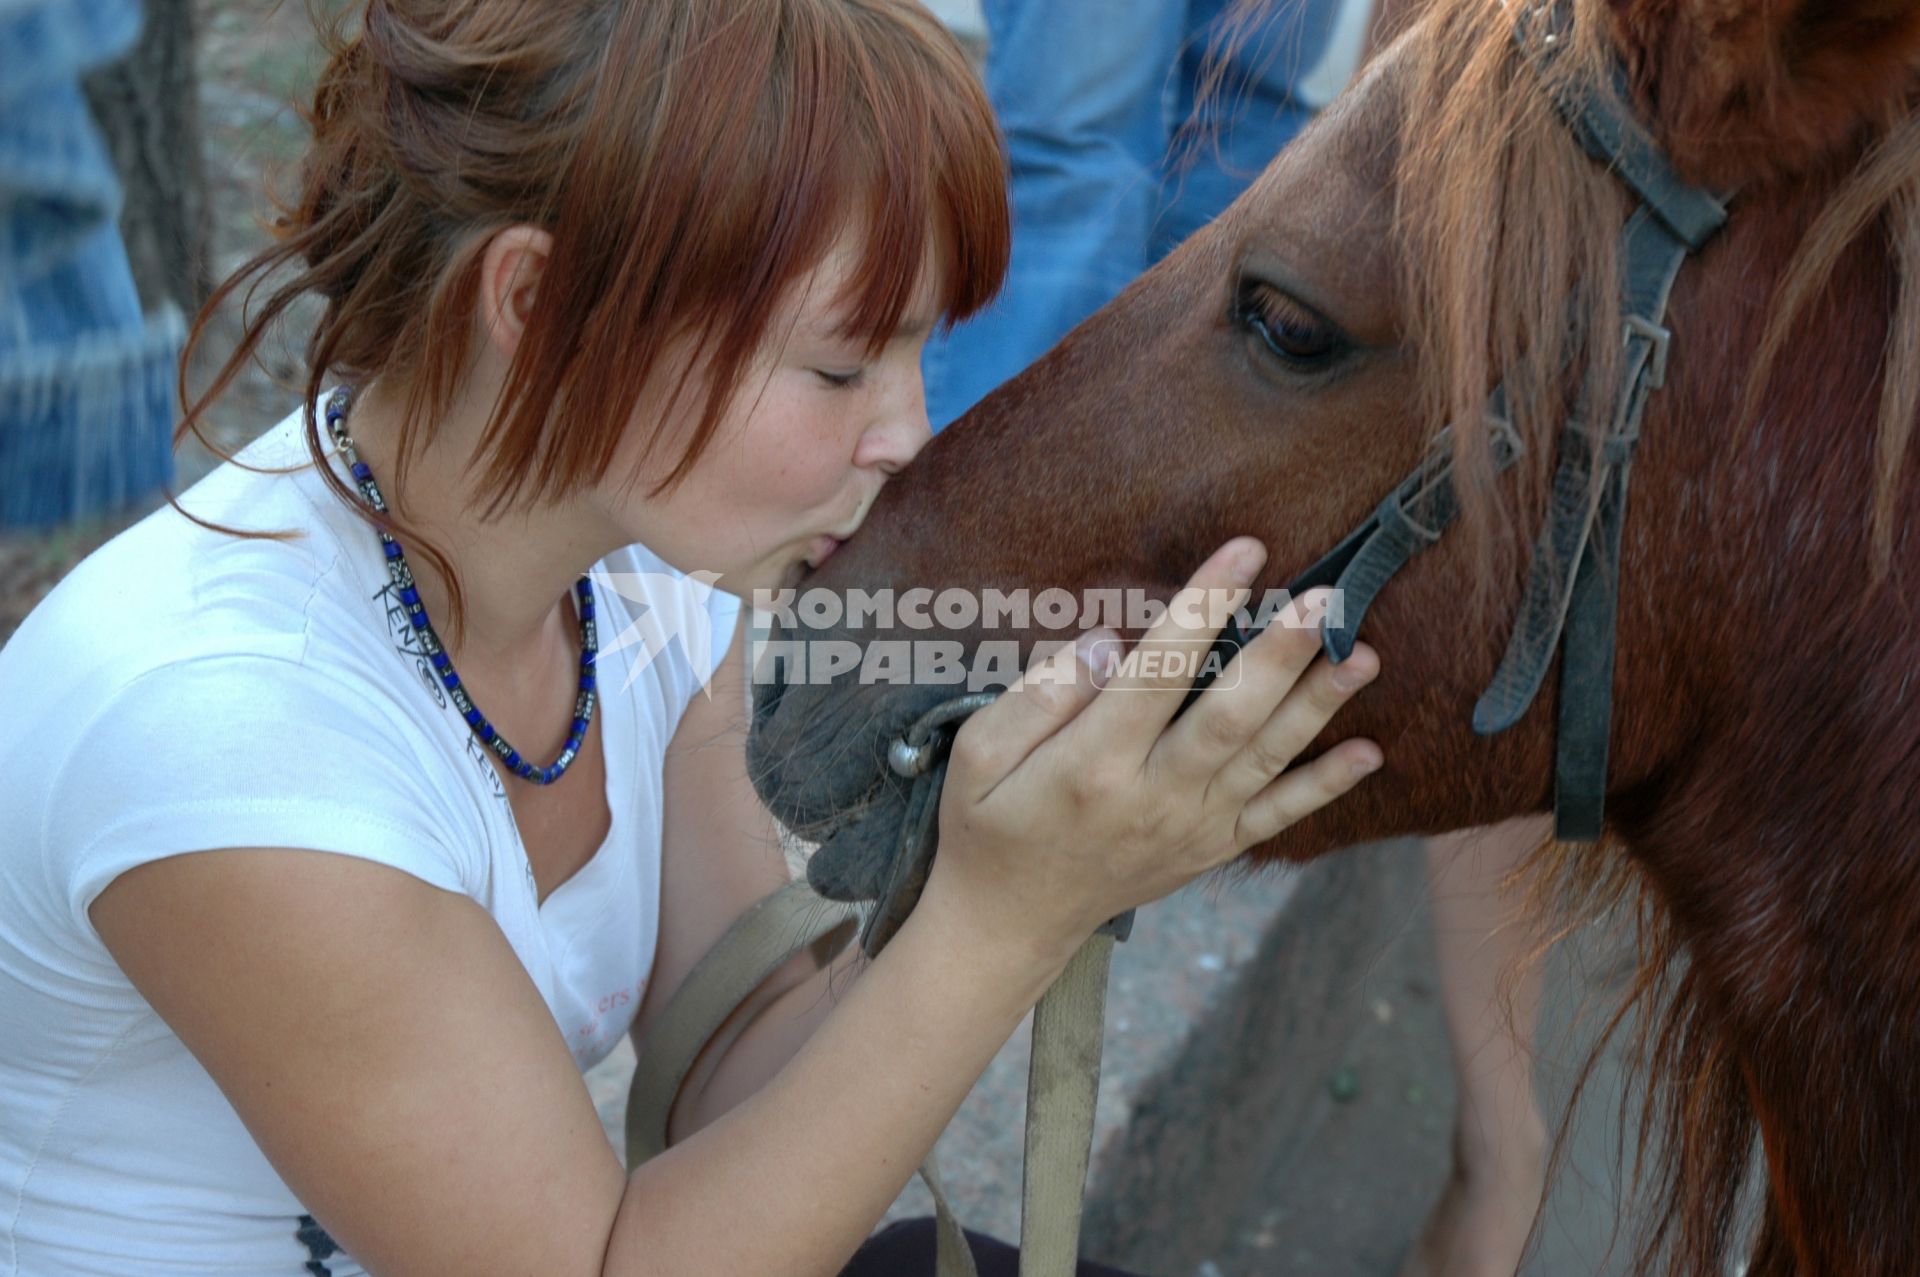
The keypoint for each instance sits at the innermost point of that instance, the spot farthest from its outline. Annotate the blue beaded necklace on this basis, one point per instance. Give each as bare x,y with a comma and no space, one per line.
403,585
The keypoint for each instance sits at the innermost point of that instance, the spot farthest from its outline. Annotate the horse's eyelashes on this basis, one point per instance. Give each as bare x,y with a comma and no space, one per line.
1288,330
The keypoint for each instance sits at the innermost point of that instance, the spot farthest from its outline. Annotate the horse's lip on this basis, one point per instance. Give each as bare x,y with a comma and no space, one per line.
825,830
857,795
823,548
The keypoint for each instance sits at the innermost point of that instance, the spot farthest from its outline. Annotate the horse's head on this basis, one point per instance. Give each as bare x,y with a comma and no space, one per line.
1440,230
1437,230
1437,233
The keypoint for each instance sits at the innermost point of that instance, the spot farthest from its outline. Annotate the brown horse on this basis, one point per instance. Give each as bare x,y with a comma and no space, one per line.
1440,229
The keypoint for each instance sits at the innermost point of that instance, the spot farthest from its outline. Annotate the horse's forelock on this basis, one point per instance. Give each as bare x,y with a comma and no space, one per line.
1506,237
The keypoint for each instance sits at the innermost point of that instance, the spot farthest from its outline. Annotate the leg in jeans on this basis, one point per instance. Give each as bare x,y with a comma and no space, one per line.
1268,78
86,378
1079,87
1490,988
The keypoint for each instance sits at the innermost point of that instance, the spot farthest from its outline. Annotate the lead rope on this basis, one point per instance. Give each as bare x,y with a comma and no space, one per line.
1063,1075
1063,1071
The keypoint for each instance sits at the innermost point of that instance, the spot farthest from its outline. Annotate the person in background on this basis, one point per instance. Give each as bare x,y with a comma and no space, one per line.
86,377
1129,125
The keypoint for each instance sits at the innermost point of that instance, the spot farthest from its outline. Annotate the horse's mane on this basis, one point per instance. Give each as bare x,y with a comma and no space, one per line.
1508,236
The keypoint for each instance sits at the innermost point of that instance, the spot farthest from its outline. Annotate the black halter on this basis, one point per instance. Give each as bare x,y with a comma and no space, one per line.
1572,587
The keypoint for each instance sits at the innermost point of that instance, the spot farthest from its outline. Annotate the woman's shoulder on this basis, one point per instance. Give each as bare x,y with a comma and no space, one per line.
179,584
183,682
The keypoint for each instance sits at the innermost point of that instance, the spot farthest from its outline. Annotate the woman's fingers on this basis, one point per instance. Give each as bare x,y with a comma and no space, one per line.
1054,690
1154,683
1299,793
1238,708
1301,717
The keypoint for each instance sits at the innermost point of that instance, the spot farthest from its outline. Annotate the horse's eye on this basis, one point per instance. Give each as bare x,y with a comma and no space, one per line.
1288,331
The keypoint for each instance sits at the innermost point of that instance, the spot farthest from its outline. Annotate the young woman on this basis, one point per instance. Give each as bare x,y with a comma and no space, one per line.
300,960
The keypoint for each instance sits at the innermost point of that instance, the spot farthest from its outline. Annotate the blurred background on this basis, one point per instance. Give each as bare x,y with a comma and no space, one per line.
199,123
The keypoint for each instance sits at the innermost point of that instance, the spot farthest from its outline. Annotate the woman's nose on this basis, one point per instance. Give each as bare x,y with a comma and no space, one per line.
891,444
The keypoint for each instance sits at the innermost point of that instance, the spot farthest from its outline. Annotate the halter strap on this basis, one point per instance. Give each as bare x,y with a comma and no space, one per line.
1601,117
1572,594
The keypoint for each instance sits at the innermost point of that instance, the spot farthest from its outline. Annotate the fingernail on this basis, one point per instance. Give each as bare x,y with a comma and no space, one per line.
1349,677
1099,651
1246,563
1367,764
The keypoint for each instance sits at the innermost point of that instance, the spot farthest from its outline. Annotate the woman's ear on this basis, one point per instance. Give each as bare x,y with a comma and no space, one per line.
511,269
1749,90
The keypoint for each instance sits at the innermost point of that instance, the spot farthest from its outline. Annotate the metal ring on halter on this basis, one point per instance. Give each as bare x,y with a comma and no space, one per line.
914,753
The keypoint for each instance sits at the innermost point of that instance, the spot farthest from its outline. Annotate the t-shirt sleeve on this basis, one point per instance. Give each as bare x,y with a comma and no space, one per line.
248,751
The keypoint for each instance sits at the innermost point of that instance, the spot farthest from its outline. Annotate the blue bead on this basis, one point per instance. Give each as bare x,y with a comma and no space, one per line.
588,659
450,679
393,549
419,620
361,470
440,661
579,728
410,596
475,719
553,774
513,758
586,682
487,733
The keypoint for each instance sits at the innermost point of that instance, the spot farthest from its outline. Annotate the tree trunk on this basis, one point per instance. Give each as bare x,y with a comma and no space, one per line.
148,107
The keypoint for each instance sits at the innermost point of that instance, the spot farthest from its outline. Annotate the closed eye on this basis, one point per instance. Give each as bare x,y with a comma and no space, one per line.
1286,330
841,380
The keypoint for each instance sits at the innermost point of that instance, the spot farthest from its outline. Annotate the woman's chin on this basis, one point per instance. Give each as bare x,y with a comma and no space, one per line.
763,578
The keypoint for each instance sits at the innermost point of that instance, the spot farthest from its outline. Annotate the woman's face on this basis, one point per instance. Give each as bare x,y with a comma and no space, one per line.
817,427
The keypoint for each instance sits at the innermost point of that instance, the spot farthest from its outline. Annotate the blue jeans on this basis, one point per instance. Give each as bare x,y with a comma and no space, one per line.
86,378
1089,93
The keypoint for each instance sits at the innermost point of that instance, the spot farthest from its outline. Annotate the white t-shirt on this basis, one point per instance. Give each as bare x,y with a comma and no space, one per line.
183,689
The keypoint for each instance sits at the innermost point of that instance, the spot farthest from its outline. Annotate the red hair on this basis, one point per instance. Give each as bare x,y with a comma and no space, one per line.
692,159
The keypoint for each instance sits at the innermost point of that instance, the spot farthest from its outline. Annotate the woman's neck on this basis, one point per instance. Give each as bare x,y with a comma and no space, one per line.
515,570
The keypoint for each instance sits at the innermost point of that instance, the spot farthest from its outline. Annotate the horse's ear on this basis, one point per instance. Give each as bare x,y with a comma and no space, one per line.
1745,90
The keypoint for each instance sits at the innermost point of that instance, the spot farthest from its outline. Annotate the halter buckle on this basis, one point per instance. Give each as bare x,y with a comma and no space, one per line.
1659,336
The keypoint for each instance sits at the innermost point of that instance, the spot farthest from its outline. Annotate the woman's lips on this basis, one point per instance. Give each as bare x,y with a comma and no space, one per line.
822,550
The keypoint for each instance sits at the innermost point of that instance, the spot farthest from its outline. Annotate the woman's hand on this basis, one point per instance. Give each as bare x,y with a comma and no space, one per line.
1067,803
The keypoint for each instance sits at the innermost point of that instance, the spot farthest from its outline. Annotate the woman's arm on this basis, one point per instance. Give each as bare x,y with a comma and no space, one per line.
385,1048
720,854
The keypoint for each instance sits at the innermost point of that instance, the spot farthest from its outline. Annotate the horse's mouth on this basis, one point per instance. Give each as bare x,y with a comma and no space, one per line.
818,758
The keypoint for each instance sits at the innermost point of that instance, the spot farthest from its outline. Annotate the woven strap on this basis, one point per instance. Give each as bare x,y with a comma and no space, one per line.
952,1256
765,938
1063,1084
